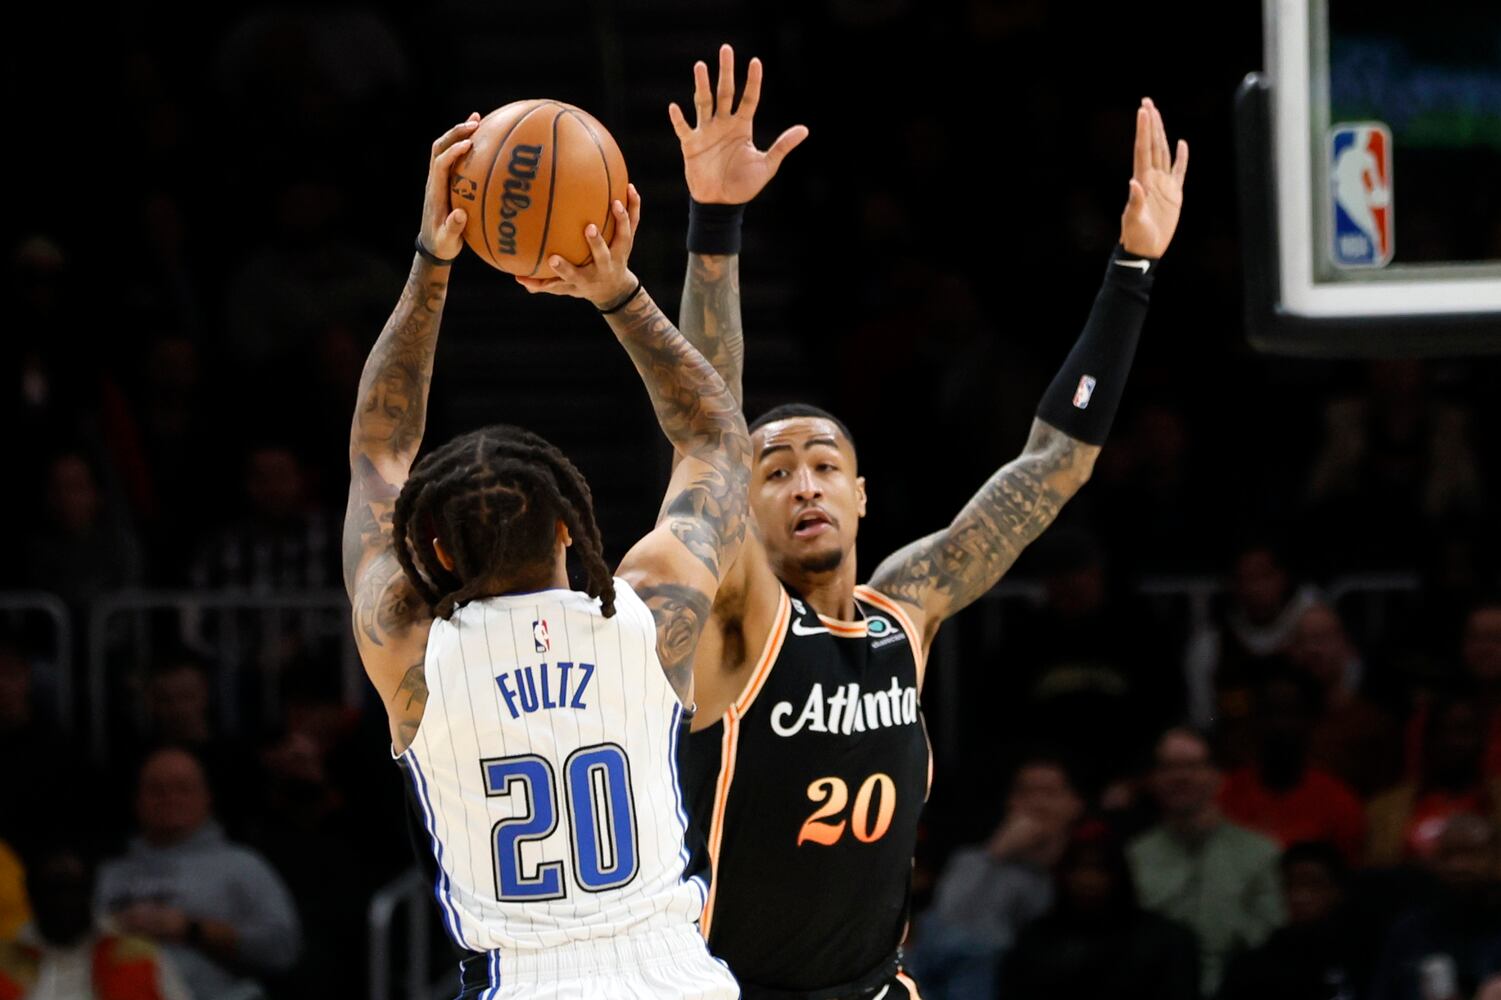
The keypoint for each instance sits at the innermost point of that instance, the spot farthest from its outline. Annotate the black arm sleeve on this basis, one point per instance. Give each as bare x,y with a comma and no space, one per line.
1086,393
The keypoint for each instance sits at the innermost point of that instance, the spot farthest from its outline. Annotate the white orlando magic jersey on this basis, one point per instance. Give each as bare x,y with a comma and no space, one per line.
545,771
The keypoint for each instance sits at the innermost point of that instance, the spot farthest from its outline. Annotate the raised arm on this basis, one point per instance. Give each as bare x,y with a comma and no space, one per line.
949,569
390,619
677,567
724,170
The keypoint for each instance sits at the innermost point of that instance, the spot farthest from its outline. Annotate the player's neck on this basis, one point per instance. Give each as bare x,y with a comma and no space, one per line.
832,594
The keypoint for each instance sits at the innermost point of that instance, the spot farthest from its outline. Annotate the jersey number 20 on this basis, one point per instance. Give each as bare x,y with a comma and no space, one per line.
832,795
601,821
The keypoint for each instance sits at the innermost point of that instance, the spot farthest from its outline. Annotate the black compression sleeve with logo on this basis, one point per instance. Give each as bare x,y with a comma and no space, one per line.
1083,398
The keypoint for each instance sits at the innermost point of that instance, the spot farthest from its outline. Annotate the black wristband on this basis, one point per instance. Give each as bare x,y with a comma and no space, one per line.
1086,393
714,229
431,257
623,302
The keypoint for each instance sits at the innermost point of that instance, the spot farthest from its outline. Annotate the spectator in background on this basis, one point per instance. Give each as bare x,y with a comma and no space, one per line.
281,542
1318,954
989,892
219,911
1390,455
68,956
15,913
55,380
38,800
1199,868
1352,739
1262,614
1092,662
176,425
82,546
1097,942
1446,950
1282,795
179,713
1405,823
1481,654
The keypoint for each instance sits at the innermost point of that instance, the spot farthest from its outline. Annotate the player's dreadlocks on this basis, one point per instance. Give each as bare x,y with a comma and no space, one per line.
493,497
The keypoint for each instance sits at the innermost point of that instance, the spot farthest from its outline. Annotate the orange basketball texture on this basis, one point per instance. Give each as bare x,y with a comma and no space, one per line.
538,172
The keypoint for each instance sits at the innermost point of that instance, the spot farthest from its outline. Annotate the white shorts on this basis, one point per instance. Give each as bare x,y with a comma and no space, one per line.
670,964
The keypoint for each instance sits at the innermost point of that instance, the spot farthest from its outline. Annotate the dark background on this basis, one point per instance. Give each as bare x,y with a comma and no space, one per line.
227,198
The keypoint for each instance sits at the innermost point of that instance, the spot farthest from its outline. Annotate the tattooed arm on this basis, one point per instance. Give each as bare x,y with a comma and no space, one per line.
724,169
949,569
677,568
390,620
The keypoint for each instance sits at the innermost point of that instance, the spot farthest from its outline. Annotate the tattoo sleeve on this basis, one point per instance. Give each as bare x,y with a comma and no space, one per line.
705,511
950,569
709,316
680,613
701,418
390,414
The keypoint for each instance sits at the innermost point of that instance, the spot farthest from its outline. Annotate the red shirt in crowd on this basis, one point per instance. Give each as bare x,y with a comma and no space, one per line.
1320,807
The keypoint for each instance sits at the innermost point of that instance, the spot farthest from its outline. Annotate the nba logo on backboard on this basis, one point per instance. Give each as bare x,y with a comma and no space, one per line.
539,636
1360,179
1085,390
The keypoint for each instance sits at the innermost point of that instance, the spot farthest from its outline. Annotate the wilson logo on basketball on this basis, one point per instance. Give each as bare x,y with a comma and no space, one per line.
515,200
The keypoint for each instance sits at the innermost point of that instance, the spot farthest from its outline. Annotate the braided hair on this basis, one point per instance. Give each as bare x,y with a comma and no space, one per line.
493,497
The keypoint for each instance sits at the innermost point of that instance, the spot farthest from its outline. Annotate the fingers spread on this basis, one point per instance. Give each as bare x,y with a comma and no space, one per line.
786,143
445,159
725,94
679,123
751,95
703,100
598,248
633,207
1180,165
1141,154
563,269
460,131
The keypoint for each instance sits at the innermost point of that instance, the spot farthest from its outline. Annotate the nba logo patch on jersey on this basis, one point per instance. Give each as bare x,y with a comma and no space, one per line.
540,637
1084,392
1360,181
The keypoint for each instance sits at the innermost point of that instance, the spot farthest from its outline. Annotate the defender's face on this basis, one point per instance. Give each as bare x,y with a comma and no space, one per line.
805,495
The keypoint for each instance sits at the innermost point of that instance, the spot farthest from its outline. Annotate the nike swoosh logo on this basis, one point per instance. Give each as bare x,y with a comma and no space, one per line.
798,628
1140,265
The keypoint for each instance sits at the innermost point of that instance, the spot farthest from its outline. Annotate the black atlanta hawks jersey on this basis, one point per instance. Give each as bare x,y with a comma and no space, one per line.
807,794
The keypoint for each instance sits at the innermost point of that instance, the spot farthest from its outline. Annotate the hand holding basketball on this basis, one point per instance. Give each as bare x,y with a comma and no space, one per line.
442,229
1151,214
720,158
607,278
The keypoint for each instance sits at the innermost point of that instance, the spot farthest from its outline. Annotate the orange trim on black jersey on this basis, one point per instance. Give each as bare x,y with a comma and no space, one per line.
914,637
844,629
731,741
906,981
728,744
769,653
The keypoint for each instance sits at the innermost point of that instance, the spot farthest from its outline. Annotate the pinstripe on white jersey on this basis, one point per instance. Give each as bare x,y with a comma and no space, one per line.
540,689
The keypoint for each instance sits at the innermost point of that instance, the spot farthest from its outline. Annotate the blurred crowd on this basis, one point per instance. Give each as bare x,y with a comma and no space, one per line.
1284,783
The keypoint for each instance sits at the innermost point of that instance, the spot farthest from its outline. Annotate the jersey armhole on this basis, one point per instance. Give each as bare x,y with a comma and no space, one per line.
914,637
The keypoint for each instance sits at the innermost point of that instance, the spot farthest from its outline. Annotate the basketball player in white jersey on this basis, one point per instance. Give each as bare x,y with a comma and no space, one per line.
538,723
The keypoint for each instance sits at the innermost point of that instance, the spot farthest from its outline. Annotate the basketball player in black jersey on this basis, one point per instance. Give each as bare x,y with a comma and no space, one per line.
809,764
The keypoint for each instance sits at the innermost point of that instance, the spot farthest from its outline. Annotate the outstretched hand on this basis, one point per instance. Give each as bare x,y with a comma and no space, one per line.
442,230
720,158
1156,199
607,277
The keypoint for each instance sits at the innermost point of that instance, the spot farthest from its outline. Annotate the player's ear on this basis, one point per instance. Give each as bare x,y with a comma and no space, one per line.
860,495
563,535
442,554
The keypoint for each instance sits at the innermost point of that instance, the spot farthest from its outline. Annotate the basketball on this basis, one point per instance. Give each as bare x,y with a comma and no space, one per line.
538,172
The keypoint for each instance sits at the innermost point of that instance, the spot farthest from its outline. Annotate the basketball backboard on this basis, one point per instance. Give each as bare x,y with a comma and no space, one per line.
1369,149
